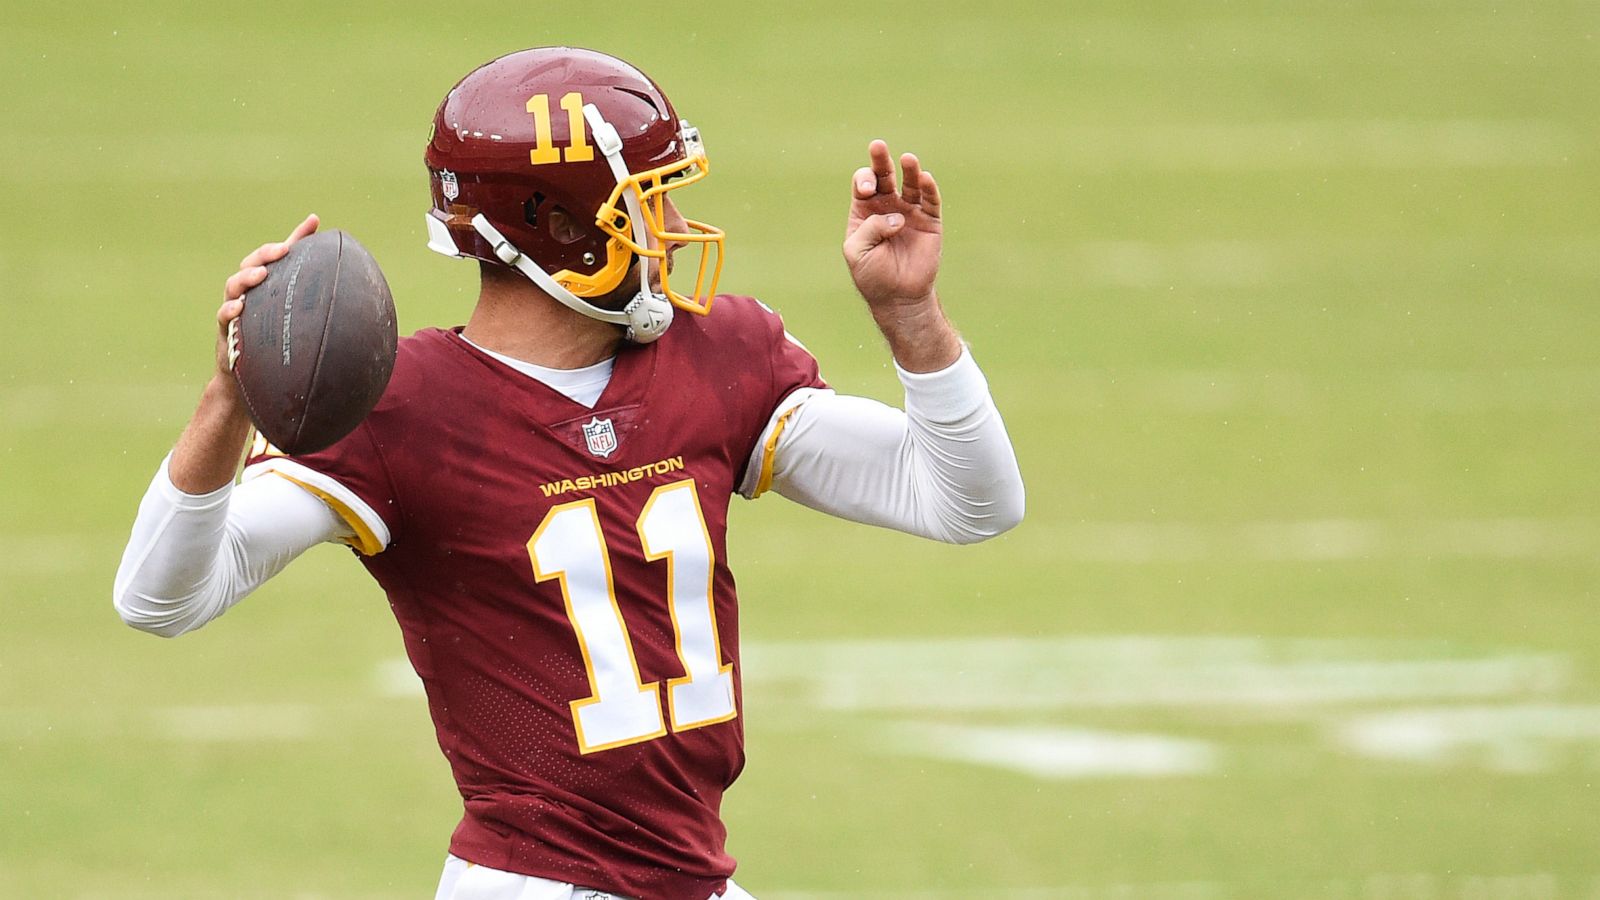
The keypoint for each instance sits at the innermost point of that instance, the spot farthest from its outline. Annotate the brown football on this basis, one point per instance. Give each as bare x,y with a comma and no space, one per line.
315,345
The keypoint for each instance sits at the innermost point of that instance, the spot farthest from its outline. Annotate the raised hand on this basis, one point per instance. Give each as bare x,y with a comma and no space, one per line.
894,235
892,246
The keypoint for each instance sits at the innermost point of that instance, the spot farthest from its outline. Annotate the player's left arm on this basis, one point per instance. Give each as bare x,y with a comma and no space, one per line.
944,467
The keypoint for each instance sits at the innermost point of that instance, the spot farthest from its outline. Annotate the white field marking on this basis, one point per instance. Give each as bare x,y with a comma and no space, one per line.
200,156
56,554
1204,392
113,405
396,678
1354,886
1141,264
342,894
1289,393
1518,738
1285,677
1316,144
1318,540
1114,890
1293,261
1058,753
1283,145
223,724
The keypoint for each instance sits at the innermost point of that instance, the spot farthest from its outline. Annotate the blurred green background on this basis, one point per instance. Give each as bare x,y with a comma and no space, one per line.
1291,309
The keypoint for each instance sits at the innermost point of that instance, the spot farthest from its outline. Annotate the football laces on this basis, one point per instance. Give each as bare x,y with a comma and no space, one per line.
233,344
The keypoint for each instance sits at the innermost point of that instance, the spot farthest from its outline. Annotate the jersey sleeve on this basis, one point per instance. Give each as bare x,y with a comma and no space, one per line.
350,477
795,378
943,468
793,366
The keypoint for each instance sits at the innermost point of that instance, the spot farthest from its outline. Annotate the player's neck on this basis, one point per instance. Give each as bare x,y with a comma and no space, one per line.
515,318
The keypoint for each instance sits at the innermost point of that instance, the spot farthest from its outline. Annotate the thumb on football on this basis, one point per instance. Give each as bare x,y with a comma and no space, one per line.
873,231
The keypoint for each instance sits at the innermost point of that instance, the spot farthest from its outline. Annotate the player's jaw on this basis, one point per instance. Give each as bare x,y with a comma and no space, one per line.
673,222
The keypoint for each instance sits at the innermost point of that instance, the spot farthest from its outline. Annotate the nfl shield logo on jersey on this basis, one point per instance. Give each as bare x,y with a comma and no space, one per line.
448,185
600,436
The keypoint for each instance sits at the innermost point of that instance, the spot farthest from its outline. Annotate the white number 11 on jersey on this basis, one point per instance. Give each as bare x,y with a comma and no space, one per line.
621,709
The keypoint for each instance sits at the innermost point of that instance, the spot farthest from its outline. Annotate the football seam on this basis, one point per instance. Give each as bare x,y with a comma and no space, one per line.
249,404
322,343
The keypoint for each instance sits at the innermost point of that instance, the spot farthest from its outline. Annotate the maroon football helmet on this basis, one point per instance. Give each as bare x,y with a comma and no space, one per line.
561,127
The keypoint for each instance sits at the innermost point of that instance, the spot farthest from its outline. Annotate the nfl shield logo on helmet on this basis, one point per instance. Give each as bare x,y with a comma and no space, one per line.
600,436
448,185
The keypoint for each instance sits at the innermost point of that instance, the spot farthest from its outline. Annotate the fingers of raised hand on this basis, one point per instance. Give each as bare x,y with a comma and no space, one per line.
916,186
911,179
930,195
882,167
864,184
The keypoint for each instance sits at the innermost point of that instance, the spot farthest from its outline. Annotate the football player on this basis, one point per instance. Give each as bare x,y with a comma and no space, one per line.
543,493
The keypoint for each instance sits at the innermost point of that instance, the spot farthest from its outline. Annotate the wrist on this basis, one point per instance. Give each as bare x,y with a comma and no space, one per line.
208,451
222,400
918,332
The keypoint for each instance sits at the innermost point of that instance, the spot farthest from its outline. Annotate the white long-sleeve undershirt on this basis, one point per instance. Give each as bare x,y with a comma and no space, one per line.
944,469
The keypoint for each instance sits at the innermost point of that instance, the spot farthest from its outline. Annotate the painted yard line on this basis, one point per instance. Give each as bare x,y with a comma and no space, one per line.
1144,890
32,406
1518,738
396,678
1287,678
1288,145
1316,540
1058,753
1290,393
45,555
1115,672
1187,391
237,723
1293,261
246,895
1281,145
1352,886
1514,739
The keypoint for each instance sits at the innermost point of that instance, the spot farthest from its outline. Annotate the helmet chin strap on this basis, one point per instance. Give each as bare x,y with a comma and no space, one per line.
648,314
644,318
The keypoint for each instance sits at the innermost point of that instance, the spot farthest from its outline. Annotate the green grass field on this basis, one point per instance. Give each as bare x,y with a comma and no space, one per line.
1292,310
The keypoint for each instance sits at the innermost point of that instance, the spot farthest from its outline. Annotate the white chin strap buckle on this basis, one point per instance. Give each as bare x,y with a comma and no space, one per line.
648,317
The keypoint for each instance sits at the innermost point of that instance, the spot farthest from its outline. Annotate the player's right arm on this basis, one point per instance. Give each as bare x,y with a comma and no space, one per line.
207,455
199,544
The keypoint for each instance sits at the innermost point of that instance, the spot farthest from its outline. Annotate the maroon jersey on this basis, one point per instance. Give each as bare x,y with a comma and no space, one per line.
561,579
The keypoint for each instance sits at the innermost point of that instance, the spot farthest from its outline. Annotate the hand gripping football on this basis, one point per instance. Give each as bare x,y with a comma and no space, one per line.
315,345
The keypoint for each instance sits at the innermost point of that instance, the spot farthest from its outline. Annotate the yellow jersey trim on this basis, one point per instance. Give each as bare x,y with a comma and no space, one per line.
764,483
365,541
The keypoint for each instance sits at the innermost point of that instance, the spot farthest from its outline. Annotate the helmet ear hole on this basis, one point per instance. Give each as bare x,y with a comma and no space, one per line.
530,208
563,227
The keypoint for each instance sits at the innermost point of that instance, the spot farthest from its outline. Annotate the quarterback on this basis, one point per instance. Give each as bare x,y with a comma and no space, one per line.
543,492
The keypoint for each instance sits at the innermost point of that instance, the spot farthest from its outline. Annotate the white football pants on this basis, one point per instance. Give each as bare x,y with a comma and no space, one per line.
464,881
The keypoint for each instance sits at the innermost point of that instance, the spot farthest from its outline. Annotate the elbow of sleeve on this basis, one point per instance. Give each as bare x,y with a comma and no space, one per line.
1003,513
994,519
1009,514
143,615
